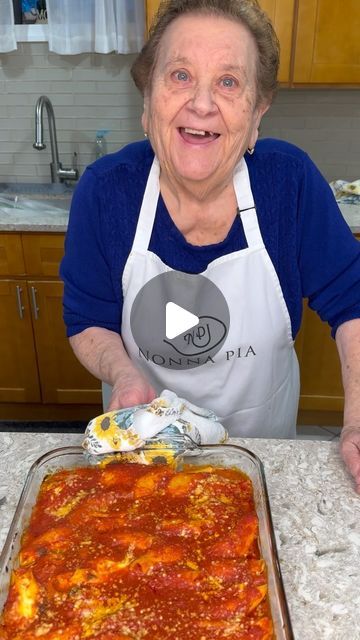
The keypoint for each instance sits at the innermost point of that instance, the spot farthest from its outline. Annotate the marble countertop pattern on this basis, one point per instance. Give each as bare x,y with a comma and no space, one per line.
44,221
57,221
351,213
35,207
316,515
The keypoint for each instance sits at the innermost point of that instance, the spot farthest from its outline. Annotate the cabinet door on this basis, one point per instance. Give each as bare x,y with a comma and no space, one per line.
18,371
151,8
63,379
281,13
43,253
320,371
327,46
11,255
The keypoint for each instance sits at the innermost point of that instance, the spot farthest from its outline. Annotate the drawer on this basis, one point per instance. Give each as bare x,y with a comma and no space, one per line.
11,255
43,253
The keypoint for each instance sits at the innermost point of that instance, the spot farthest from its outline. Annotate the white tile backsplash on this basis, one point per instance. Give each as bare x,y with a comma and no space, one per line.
323,122
95,91
88,92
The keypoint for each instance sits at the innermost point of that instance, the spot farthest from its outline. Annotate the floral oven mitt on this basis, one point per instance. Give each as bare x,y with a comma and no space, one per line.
168,415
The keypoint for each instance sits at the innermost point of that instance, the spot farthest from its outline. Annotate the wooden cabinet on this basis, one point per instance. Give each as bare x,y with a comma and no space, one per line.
321,390
281,13
327,42
11,255
319,40
151,7
63,379
42,253
38,365
19,379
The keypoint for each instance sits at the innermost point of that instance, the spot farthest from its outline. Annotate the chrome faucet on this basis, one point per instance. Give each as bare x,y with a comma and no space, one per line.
58,174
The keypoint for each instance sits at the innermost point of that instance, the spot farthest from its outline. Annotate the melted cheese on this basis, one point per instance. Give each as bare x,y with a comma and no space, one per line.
26,595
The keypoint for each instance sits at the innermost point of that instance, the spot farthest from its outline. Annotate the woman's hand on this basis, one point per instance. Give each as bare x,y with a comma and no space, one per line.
348,344
130,388
102,352
350,452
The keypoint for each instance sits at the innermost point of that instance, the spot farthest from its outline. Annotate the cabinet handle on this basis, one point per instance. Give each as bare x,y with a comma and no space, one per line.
20,305
34,303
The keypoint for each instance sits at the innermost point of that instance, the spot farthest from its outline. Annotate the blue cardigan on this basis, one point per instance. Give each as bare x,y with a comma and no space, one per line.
313,250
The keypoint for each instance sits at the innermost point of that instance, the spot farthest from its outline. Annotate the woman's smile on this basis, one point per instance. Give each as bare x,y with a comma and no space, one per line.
197,136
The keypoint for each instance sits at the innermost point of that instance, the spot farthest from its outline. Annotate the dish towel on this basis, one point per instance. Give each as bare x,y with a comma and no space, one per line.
346,192
168,415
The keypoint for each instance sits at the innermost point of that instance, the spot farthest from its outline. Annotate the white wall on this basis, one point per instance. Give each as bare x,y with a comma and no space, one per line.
94,91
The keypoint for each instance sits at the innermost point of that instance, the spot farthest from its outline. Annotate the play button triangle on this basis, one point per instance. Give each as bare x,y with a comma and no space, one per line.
178,320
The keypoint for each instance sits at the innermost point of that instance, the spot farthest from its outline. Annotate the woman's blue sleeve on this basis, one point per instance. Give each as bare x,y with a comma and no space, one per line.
328,253
90,298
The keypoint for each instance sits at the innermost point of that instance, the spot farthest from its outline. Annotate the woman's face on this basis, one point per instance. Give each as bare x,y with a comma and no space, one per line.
201,112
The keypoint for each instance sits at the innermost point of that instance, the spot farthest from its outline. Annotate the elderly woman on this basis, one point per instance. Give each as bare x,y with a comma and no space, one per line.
201,197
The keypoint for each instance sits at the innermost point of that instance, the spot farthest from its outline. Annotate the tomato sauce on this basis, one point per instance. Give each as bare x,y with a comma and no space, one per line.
133,552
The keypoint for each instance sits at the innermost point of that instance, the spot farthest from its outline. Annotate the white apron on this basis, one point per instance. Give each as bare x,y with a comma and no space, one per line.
253,383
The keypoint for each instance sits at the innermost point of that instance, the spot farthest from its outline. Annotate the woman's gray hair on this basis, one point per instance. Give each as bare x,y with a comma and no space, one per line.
246,12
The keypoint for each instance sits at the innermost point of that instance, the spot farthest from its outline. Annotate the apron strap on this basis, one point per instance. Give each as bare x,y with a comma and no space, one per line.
148,209
251,227
246,205
244,198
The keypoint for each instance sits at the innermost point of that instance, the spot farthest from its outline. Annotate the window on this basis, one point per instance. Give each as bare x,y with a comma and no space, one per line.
30,11
30,20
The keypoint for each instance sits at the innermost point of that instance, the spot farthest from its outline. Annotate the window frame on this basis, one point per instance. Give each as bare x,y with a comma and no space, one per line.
32,32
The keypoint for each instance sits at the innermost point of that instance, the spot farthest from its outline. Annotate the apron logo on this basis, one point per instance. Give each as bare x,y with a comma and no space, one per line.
189,361
240,352
205,337
179,362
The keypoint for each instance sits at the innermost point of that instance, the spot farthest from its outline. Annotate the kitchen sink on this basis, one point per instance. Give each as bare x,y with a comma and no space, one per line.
30,197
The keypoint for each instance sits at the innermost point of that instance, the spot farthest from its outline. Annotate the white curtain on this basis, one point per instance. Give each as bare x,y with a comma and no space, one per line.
7,27
80,26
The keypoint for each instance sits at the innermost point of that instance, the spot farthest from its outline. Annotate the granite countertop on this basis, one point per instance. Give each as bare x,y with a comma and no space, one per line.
53,202
35,207
316,516
44,221
351,213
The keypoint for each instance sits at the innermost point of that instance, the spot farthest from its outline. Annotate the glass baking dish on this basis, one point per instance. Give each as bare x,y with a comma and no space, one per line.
187,452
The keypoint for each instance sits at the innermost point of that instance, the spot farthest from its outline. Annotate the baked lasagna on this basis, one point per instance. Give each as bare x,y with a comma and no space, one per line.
137,552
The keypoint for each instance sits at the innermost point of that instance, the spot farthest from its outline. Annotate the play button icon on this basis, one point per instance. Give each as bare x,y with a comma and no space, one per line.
179,320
